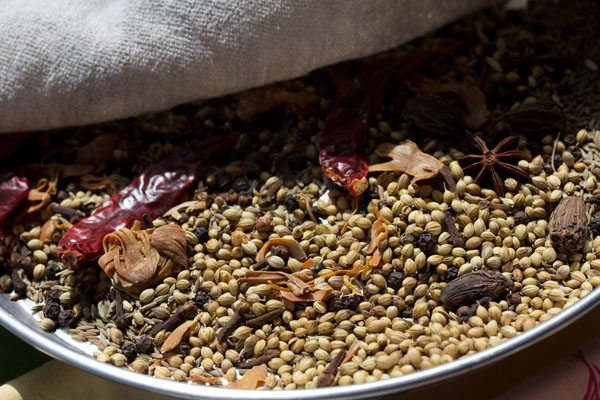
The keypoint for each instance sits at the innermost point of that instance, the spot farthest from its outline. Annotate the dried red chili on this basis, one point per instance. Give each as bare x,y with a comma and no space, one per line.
155,191
344,137
13,191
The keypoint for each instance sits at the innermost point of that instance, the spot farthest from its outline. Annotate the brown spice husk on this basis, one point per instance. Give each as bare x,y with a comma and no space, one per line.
140,258
252,379
568,225
467,289
175,338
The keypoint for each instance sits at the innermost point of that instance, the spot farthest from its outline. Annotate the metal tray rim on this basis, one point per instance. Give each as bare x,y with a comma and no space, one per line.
396,385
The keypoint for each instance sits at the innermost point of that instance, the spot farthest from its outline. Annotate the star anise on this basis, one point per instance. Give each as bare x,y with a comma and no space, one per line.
492,161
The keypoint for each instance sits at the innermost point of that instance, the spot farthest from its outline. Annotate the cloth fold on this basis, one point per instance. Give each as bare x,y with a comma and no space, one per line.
76,62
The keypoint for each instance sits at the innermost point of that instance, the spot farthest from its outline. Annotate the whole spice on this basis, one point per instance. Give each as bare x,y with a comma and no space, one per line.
329,375
568,225
200,299
129,350
492,161
52,310
268,317
327,378
182,313
260,360
144,344
154,192
337,303
121,321
435,115
537,118
467,289
71,214
291,288
141,258
469,94
66,319
456,238
394,280
406,157
13,191
343,140
19,286
594,225
236,319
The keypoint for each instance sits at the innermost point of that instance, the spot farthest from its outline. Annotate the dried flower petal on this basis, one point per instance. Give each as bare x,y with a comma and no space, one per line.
378,232
318,295
252,379
47,230
175,338
406,157
290,244
291,287
201,379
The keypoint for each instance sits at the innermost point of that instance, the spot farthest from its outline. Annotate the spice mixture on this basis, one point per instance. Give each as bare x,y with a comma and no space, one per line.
370,220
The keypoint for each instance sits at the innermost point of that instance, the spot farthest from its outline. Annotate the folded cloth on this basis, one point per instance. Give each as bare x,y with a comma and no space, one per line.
76,62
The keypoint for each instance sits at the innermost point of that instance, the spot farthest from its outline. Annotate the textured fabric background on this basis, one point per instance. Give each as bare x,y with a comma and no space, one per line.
70,62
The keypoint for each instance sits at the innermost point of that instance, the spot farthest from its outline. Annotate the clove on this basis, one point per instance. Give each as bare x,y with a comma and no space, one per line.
19,286
235,321
86,295
456,238
121,321
327,378
260,360
181,314
71,214
259,321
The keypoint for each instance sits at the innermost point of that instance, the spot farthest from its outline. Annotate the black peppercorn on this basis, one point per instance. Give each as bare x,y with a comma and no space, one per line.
66,319
52,310
394,280
144,344
202,234
129,350
201,299
291,202
426,242
345,303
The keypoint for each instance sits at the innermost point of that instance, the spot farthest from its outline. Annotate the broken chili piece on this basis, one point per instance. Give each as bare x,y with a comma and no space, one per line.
344,138
13,191
155,191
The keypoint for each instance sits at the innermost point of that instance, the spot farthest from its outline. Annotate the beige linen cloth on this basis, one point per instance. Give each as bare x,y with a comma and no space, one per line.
550,370
74,62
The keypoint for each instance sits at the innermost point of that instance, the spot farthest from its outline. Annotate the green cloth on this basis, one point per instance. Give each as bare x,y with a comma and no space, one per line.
17,357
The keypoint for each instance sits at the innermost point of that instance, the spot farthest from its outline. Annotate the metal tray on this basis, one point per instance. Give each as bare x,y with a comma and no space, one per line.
15,317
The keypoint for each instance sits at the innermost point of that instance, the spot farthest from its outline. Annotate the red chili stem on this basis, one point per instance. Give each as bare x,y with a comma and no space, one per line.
154,192
344,137
13,192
